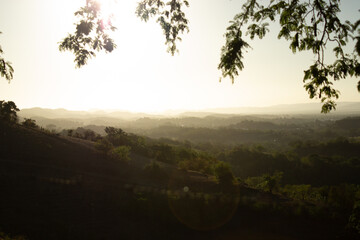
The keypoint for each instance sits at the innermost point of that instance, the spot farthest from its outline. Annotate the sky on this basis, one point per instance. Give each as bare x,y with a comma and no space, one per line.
140,76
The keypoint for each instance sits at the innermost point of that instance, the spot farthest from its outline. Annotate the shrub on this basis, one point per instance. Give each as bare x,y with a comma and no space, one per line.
103,145
120,153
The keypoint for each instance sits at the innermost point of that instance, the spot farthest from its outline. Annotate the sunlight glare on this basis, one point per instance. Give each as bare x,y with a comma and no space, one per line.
108,8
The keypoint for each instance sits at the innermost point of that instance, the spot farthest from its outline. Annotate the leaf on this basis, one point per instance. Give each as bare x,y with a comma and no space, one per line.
357,46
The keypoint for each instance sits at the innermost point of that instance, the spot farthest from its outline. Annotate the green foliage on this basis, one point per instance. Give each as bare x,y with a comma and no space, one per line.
154,171
6,70
309,26
120,153
164,153
171,18
82,133
266,182
103,145
29,123
90,135
354,220
201,164
299,192
4,236
232,53
8,112
116,136
224,175
91,34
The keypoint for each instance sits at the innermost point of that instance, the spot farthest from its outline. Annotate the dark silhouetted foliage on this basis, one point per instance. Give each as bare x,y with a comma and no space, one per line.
91,34
29,123
103,145
6,69
8,112
171,18
224,174
154,171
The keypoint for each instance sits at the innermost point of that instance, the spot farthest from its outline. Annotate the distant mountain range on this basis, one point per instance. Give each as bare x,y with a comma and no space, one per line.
63,113
302,108
343,108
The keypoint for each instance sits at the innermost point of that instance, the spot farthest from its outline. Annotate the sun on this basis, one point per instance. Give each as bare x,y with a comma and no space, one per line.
107,8
116,10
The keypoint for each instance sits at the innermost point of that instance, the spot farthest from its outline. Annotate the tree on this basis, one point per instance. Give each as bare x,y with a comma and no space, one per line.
309,25
273,182
104,145
354,220
117,136
8,112
120,153
6,70
224,174
29,123
90,135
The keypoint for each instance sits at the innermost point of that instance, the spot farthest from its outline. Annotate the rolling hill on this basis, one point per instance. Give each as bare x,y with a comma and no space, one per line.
62,188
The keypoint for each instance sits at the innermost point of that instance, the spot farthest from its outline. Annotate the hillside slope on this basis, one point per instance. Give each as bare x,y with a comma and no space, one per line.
60,188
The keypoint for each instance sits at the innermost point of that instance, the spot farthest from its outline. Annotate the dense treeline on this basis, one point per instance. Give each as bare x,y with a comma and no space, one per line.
274,133
324,173
332,162
310,173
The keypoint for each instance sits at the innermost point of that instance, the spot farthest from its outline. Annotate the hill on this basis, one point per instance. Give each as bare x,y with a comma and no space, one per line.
63,188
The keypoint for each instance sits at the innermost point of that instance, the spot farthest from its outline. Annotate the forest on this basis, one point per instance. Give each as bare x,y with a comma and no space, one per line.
250,176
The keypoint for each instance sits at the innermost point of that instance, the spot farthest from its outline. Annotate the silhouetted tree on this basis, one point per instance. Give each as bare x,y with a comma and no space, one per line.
29,123
8,111
70,132
89,135
6,70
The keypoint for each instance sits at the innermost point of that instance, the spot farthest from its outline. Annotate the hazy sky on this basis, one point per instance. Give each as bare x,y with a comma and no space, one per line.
140,75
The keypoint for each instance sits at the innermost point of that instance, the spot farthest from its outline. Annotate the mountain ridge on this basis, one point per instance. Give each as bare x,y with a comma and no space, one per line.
291,109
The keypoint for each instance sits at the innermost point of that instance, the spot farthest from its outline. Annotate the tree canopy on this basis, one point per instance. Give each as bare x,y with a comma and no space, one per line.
8,112
6,70
91,34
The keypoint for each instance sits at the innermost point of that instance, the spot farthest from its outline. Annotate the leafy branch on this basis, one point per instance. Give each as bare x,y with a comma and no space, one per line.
6,70
90,35
171,18
309,26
